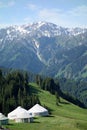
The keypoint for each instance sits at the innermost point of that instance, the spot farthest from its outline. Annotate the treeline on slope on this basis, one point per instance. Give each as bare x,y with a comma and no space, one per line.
67,89
15,91
48,84
76,91
6,71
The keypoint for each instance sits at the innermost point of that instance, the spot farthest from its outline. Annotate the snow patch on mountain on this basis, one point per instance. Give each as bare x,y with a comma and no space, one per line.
1,40
31,32
8,32
40,24
21,30
36,44
41,58
42,29
76,31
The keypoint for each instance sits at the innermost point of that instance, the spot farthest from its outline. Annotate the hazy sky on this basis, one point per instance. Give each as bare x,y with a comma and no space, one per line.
69,13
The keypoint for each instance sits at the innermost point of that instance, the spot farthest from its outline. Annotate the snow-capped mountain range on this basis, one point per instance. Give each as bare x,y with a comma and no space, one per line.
40,47
42,29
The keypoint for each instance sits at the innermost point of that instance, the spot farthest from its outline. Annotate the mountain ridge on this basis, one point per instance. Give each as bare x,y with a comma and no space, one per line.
43,48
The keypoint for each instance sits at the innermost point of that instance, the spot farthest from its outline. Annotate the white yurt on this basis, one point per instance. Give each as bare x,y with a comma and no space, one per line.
38,110
20,115
3,119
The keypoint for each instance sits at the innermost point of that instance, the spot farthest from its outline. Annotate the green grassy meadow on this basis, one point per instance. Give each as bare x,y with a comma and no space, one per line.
66,116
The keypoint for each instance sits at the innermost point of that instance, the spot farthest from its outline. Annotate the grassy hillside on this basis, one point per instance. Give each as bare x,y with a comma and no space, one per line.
66,116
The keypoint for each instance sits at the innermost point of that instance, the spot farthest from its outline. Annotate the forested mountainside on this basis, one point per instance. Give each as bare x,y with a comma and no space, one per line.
50,50
45,48
16,90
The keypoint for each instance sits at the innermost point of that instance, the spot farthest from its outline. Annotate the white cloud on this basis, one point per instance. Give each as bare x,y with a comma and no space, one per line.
50,13
79,11
70,18
7,4
53,15
12,3
32,7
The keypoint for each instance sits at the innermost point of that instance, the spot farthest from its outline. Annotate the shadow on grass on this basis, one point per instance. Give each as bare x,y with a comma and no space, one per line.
49,109
35,122
50,116
10,124
64,102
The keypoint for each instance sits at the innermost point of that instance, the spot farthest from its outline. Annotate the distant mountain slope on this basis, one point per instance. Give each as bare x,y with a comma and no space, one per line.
45,48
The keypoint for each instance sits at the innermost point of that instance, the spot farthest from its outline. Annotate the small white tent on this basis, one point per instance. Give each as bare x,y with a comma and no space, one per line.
3,119
20,115
38,110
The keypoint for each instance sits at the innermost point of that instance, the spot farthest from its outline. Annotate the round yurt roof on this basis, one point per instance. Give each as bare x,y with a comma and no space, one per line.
18,112
37,108
2,117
